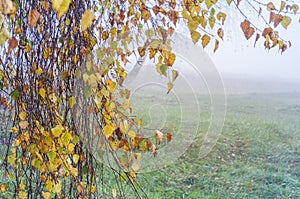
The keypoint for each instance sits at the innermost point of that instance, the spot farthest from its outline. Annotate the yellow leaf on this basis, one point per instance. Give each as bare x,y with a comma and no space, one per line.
139,123
195,36
93,189
146,15
205,40
57,187
174,75
13,130
192,25
46,195
114,193
61,6
124,127
4,35
66,138
22,186
229,1
155,43
57,130
211,21
22,115
270,6
22,195
23,124
16,143
170,86
42,93
3,188
72,101
75,158
87,19
39,71
131,134
71,147
208,3
49,185
111,86
108,130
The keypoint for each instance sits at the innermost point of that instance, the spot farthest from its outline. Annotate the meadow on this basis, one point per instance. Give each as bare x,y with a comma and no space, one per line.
256,156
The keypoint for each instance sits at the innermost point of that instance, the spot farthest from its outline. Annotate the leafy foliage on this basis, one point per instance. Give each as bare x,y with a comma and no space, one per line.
61,75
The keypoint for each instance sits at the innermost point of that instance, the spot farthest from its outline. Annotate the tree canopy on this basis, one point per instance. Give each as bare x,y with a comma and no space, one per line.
62,67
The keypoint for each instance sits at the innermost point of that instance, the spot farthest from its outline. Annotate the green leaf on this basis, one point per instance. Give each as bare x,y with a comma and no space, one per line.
162,69
14,94
51,155
208,3
295,8
72,101
286,21
66,138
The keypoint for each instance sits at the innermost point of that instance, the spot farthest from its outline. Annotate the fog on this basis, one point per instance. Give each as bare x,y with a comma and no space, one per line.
237,64
257,69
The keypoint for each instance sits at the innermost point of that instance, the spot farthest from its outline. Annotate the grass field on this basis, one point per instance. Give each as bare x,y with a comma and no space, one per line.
257,155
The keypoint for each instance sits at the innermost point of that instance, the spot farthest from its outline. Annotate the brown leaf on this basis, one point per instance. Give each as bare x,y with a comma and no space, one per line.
278,18
220,33
160,2
173,16
267,31
155,9
172,4
216,45
12,44
33,17
248,31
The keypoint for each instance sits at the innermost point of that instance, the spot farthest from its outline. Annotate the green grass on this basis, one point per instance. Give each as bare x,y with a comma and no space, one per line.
257,155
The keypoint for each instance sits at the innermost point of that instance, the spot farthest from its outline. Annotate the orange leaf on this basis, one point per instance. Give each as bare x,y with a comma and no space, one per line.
270,6
139,123
169,137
